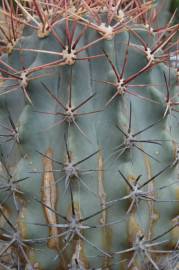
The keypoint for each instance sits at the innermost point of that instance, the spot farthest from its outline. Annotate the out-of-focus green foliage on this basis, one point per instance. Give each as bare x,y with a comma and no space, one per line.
173,7
175,4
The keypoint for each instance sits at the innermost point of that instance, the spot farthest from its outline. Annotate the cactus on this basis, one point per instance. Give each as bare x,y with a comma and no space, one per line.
88,136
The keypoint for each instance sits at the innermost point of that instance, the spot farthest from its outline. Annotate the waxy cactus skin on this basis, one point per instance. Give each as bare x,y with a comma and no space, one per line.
89,136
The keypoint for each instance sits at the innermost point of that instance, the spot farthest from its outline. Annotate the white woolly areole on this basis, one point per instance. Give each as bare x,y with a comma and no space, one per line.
106,31
150,55
69,57
24,79
120,87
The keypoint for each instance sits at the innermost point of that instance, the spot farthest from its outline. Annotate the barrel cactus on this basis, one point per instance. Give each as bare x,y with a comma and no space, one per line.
88,136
